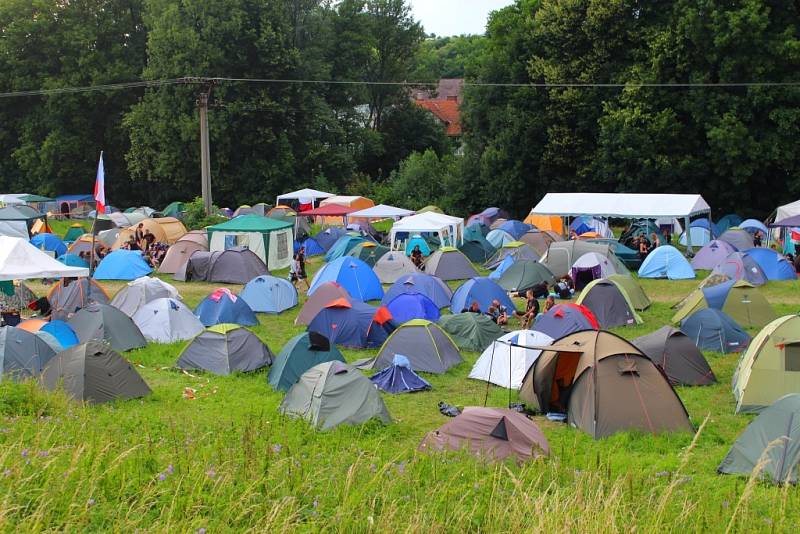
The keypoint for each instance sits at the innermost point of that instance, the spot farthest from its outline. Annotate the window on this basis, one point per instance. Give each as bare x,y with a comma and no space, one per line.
791,354
282,248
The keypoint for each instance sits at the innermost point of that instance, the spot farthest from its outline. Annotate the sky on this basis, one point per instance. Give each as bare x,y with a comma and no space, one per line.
455,17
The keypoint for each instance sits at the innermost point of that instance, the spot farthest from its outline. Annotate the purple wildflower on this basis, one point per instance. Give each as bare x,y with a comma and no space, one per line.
162,477
276,448
211,473
90,502
373,467
315,503
24,453
201,530
170,469
6,472
44,453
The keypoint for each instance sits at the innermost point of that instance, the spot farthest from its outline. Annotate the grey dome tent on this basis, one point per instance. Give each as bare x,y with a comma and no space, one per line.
676,355
167,321
101,321
771,441
449,263
609,303
94,373
225,348
470,331
70,295
392,266
300,354
232,266
139,292
22,354
334,393
428,348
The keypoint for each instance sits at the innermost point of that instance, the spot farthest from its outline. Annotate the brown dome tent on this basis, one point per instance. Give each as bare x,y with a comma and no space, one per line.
604,385
678,356
179,253
325,293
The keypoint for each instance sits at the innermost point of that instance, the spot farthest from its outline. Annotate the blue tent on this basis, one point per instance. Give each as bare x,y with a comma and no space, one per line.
728,221
753,226
122,265
49,242
353,324
741,266
352,274
399,377
516,228
712,329
73,260
507,262
666,262
498,237
707,224
63,333
425,284
483,291
343,245
269,294
326,238
774,265
312,247
222,306
408,306
417,240
564,319
700,237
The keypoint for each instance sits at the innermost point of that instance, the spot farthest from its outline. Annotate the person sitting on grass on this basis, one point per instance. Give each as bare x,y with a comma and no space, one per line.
473,308
531,311
498,313
549,303
416,257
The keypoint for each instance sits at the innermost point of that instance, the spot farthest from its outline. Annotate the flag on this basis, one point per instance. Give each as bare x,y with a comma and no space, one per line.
100,187
795,235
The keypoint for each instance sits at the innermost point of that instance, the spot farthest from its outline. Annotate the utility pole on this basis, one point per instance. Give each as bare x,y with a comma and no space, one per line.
205,156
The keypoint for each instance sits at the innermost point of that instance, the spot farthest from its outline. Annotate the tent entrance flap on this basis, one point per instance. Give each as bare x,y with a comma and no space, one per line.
563,380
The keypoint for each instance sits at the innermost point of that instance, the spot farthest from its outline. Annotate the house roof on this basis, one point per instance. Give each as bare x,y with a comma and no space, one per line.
446,111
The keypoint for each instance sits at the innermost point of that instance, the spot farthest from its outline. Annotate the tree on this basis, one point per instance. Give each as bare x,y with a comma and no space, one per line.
422,179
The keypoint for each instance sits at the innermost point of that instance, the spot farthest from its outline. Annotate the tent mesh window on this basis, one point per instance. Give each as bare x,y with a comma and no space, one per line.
283,245
792,357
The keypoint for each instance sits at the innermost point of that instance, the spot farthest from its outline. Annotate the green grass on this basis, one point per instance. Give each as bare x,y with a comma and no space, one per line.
230,462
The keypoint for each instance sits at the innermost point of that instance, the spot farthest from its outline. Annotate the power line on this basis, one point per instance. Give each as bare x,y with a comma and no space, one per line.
538,85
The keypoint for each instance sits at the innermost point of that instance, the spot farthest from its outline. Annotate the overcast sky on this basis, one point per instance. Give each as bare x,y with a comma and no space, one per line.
454,17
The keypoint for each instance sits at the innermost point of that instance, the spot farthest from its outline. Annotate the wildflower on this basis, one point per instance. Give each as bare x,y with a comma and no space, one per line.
211,473
170,469
276,448
24,453
373,467
201,530
6,472
44,454
162,477
90,502
401,468
476,486
315,503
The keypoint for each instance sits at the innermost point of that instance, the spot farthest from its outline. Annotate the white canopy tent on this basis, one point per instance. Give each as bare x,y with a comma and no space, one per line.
11,199
449,229
787,210
19,260
623,205
14,229
304,196
381,211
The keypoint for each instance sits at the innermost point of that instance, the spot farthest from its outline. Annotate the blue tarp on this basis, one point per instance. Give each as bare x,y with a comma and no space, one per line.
269,294
49,242
424,284
408,306
711,329
482,291
218,308
122,265
399,378
666,262
774,265
352,274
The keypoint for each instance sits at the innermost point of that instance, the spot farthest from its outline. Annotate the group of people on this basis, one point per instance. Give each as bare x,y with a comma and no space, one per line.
144,241
501,315
644,246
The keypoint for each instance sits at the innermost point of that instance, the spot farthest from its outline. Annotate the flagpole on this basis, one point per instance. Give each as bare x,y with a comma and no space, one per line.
94,223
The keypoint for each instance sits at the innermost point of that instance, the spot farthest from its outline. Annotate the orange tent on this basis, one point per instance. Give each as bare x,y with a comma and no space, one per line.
546,222
32,325
147,224
357,203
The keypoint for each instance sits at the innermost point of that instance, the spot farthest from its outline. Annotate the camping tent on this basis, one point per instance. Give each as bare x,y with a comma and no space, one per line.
399,377
62,332
269,239
392,266
470,331
739,299
516,228
497,238
741,266
774,265
233,266
49,242
304,196
428,348
477,248
544,223
487,217
354,203
343,245
740,239
222,306
506,360
771,366
300,354
22,354
712,329
223,349
175,209
73,260
425,284
146,224
381,211
19,260
728,221
179,253
609,303
141,291
564,319
770,445
334,393
604,385
753,226
269,294
448,263
122,265
352,274
700,236
352,323
539,241
490,433
68,296
675,354
516,250
327,237
591,266
712,254
368,252
416,240
167,320
325,293
449,230
104,322
633,290
94,373
666,262
563,254
480,290
407,306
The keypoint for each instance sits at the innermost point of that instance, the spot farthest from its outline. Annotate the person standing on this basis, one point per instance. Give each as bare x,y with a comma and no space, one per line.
301,267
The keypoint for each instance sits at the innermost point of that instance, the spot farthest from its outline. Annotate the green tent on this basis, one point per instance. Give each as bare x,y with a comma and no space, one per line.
636,295
525,274
269,239
434,209
471,331
174,209
73,233
739,299
770,443
475,246
334,393
428,348
368,252
34,198
300,354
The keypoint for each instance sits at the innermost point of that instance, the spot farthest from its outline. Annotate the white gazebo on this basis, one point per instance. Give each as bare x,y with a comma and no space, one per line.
19,260
382,211
449,229
304,196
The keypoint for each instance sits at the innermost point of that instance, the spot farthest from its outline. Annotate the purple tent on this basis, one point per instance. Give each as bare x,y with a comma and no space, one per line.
741,266
712,255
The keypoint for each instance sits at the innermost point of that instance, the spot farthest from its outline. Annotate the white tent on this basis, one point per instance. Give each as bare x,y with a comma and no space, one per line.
11,199
19,260
14,229
381,211
304,196
449,229
787,210
167,320
141,291
506,361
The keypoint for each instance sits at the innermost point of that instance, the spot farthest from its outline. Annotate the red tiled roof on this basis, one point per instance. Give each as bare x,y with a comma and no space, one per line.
446,111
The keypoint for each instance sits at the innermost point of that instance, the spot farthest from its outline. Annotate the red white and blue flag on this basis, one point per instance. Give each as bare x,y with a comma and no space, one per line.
100,187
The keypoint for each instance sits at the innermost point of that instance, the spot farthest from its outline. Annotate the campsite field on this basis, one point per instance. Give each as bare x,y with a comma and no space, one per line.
224,460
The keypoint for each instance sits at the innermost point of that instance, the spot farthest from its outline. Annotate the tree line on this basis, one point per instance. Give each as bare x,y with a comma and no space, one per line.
735,144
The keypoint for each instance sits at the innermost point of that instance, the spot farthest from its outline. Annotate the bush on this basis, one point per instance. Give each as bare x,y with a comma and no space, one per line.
196,218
